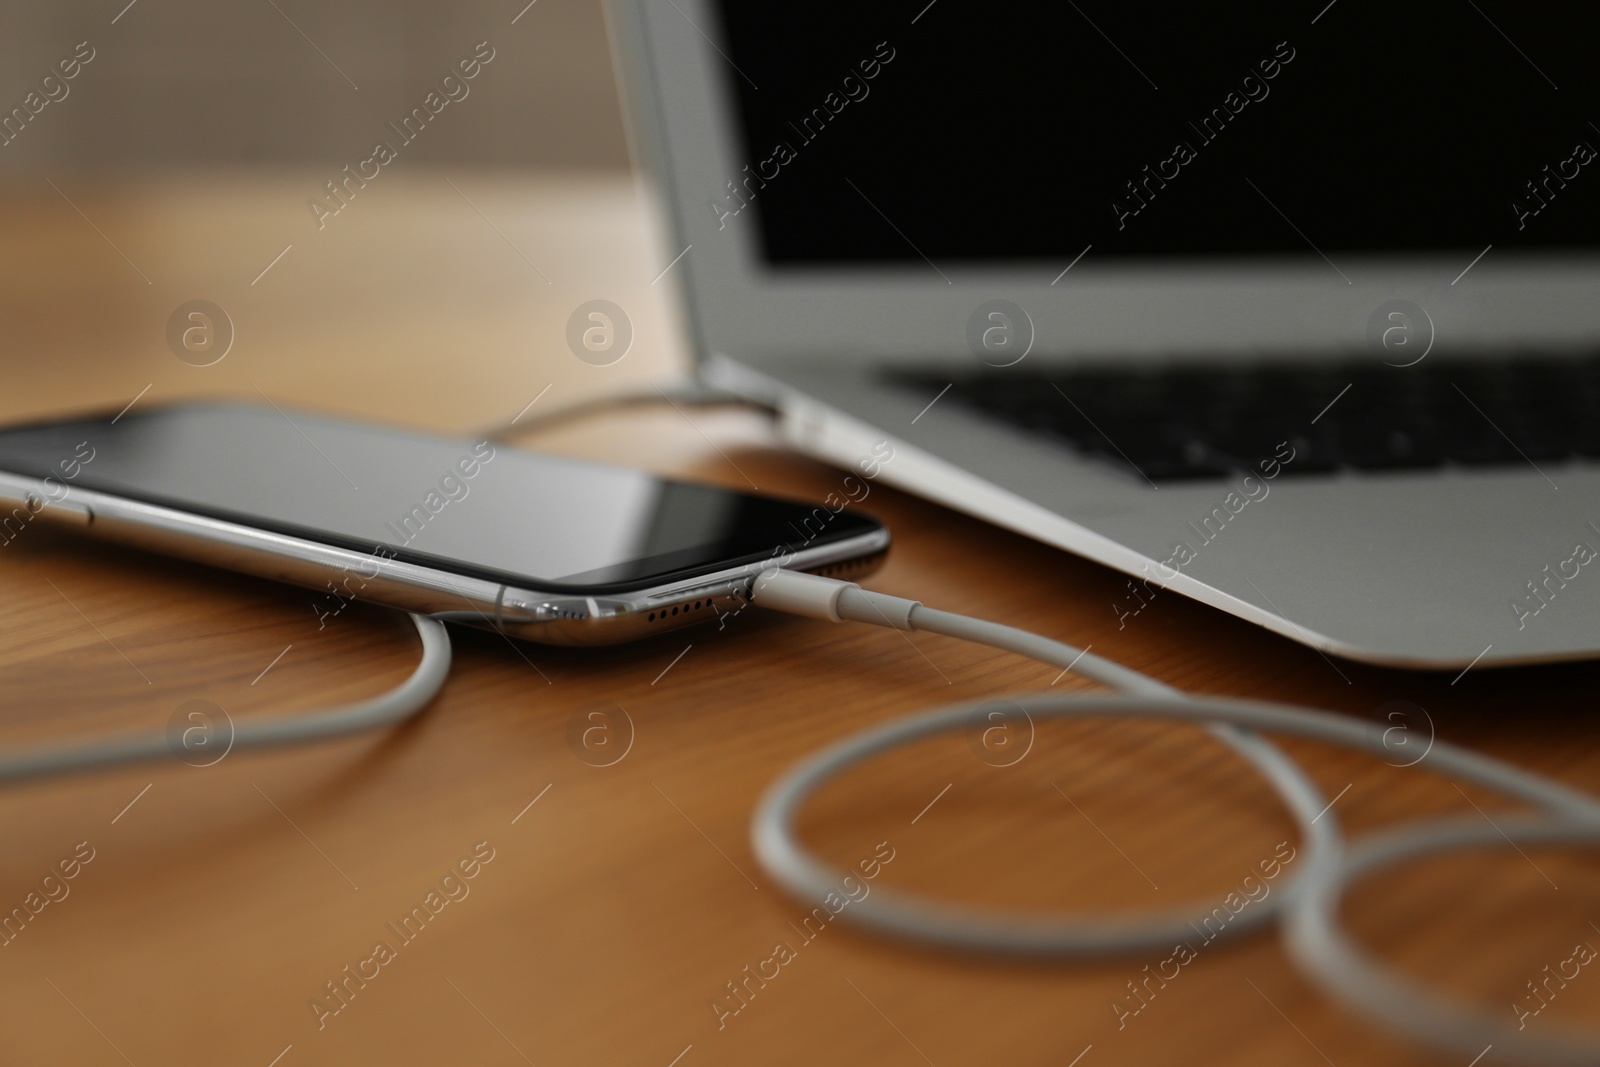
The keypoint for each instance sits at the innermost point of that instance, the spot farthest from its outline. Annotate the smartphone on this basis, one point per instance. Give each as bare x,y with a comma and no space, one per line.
542,548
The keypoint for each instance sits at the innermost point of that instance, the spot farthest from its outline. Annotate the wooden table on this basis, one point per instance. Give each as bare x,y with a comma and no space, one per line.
621,901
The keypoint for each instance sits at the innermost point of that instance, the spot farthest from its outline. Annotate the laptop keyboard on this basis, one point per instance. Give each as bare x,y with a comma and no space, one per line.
1209,422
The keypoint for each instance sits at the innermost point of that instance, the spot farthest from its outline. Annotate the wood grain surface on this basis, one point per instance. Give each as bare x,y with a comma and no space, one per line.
611,909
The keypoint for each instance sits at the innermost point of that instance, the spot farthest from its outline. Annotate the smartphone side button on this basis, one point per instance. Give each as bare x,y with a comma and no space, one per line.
68,512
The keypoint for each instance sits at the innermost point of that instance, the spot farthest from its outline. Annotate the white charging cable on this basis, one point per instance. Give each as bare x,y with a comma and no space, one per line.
1308,907
399,703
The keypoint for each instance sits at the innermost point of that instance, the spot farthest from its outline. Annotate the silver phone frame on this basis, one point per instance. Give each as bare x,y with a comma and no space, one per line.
525,612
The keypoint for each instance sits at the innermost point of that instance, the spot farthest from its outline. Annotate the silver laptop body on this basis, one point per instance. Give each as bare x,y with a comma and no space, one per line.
1445,567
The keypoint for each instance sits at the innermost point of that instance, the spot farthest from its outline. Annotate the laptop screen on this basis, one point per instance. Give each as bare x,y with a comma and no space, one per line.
1010,130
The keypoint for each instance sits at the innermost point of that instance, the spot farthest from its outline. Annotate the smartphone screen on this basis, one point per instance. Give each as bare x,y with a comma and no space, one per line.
470,507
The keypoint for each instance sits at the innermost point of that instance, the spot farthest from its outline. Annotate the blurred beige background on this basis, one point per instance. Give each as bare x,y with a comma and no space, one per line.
183,161
180,83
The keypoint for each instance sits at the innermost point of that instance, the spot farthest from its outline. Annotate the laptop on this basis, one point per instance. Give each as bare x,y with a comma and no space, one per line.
1291,309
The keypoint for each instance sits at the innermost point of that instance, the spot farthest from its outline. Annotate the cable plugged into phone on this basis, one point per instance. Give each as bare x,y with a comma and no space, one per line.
1307,910
816,597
